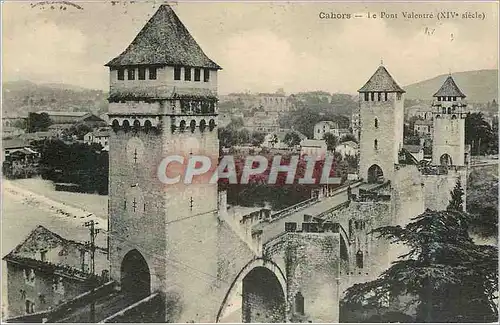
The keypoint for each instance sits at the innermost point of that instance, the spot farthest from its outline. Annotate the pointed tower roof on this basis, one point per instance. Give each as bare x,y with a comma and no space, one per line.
449,88
381,81
164,40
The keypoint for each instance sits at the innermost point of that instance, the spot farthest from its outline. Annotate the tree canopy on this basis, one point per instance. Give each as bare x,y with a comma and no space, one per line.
447,276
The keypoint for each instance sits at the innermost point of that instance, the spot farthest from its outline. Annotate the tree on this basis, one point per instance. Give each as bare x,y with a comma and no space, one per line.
331,141
348,137
447,276
478,133
79,130
292,139
38,122
257,138
457,202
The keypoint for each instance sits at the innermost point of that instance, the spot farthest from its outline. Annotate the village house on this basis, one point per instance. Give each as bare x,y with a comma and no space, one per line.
347,148
61,118
11,131
423,127
276,139
323,127
101,137
12,145
311,147
47,269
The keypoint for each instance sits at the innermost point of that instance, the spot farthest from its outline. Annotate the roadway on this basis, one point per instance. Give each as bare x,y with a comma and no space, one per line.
276,227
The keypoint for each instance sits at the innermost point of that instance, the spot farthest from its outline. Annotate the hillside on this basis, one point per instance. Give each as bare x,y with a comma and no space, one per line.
21,97
480,86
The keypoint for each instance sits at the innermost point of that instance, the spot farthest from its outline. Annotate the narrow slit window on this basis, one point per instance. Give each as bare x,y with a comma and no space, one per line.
121,74
375,144
187,74
131,74
385,94
152,74
367,98
142,73
372,95
197,74
379,96
177,73
206,75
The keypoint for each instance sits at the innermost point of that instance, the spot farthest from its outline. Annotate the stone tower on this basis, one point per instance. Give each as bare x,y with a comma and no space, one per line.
162,102
382,117
448,144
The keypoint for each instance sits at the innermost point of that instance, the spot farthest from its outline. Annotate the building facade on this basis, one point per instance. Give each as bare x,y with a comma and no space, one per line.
45,270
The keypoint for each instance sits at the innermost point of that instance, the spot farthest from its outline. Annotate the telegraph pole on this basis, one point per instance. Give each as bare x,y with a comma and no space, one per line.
93,234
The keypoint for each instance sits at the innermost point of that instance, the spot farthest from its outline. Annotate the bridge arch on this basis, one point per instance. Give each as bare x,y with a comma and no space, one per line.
267,273
135,277
375,173
445,160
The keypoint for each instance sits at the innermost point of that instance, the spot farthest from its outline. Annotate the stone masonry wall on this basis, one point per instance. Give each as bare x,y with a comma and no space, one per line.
311,261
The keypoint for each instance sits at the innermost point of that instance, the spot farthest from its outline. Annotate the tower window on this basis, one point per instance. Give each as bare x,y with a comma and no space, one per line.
379,96
366,97
187,74
152,74
197,73
177,73
385,94
299,303
142,73
43,256
359,259
372,95
439,99
206,75
121,74
131,74
376,123
398,96
375,144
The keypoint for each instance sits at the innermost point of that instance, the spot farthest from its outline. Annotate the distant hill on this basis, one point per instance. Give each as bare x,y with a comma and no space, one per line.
479,86
22,97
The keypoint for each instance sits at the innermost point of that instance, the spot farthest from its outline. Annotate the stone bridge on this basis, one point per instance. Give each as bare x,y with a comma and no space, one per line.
299,258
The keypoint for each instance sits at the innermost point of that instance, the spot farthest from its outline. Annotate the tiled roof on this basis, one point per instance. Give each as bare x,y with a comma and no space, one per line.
14,143
449,88
381,81
62,113
313,143
412,148
164,40
423,122
42,239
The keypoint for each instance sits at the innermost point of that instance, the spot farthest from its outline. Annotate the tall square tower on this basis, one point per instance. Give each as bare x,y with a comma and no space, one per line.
381,118
449,113
162,103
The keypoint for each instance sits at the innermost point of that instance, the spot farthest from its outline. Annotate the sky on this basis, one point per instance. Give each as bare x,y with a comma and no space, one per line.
261,46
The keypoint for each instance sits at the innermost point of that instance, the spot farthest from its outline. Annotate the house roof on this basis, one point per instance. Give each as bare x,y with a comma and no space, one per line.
42,239
63,113
313,143
423,122
449,88
350,144
412,148
381,81
333,125
14,143
164,40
